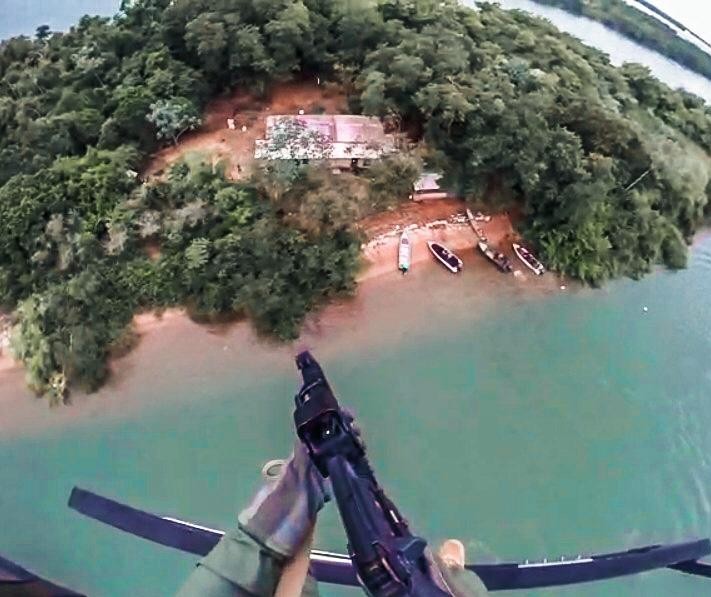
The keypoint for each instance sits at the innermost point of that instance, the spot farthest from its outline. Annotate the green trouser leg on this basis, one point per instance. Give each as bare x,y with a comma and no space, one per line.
239,566
462,582
204,581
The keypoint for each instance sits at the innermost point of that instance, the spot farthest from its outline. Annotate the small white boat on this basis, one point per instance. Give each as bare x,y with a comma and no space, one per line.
445,257
404,253
473,219
528,259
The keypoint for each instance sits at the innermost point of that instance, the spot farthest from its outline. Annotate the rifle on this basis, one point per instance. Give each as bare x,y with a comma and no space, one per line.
389,560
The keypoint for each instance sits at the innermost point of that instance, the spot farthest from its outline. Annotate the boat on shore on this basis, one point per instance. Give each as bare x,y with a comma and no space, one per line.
528,259
500,260
445,257
404,253
473,222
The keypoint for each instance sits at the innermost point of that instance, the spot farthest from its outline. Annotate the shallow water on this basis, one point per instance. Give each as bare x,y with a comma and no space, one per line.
528,424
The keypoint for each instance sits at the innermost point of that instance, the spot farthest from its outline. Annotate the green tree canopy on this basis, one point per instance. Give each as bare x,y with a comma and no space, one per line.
173,118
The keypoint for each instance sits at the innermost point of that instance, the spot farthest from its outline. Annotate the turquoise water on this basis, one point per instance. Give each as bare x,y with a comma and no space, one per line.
565,423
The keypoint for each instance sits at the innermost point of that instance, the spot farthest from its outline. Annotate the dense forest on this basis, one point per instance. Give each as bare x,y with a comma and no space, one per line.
643,28
606,166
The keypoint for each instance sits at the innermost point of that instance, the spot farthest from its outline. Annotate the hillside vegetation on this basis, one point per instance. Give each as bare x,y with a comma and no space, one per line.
596,158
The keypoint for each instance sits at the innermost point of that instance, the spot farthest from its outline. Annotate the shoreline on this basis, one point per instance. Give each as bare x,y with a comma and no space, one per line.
171,346
441,220
381,314
213,349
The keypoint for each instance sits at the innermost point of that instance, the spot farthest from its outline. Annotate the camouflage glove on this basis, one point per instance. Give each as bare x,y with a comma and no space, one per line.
283,511
453,576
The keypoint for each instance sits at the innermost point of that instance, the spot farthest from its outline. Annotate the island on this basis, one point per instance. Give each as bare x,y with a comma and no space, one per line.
224,160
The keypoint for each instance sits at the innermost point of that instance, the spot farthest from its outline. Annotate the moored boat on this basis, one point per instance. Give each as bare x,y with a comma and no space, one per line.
445,257
473,219
404,253
528,259
496,257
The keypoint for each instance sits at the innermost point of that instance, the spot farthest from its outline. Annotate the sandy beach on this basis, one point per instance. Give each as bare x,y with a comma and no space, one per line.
7,363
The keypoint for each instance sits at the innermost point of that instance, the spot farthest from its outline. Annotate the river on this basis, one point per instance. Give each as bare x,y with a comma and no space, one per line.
619,48
529,424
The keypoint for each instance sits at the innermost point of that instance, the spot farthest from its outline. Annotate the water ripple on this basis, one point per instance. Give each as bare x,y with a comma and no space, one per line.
702,258
687,478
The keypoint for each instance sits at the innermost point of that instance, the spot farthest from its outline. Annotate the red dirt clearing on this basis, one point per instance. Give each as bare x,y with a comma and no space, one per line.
214,142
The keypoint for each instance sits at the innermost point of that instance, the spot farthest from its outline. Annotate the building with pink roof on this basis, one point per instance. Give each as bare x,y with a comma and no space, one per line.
346,141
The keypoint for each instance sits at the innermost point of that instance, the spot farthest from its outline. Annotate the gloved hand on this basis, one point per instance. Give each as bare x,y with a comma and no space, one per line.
251,559
283,512
453,576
